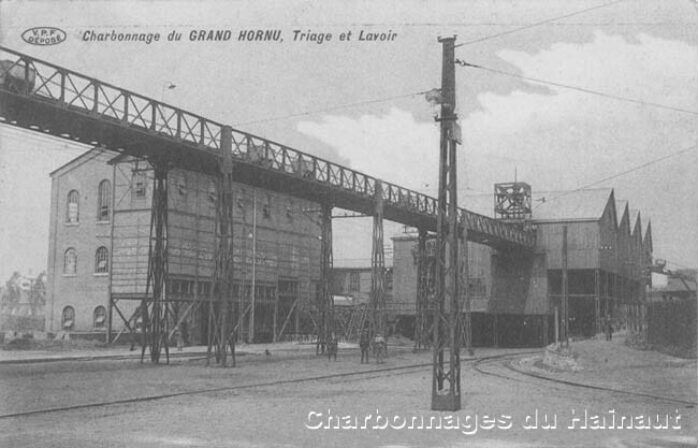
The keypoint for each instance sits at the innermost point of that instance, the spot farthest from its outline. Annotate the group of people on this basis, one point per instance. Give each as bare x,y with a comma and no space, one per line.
379,347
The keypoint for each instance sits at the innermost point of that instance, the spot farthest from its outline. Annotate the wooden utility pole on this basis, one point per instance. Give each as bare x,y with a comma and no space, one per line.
446,393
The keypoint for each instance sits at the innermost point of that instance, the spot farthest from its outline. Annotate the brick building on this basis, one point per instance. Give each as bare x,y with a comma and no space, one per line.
99,245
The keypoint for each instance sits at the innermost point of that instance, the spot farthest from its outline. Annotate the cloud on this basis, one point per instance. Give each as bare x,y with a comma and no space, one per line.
557,139
394,147
584,137
561,138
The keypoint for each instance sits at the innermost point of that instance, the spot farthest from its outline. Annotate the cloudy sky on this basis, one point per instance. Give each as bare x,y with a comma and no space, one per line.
358,102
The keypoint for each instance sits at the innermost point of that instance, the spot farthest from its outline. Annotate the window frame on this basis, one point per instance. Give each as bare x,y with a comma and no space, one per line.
72,194
74,253
103,314
104,201
139,193
102,254
68,310
354,281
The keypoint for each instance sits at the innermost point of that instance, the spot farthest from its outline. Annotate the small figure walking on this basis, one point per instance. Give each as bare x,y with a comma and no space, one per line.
332,347
179,338
379,348
609,330
364,343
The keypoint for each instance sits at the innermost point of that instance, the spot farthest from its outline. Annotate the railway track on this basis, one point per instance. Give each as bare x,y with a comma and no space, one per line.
502,363
505,365
372,373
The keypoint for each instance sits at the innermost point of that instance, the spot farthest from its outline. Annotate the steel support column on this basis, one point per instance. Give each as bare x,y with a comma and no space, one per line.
377,267
220,335
325,325
421,333
465,293
446,392
154,308
110,315
597,301
565,292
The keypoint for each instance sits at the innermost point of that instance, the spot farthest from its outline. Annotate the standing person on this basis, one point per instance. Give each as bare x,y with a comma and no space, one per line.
364,343
179,338
332,347
185,333
609,330
379,347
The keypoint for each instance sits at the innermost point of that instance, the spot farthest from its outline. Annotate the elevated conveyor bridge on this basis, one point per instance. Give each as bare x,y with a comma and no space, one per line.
50,99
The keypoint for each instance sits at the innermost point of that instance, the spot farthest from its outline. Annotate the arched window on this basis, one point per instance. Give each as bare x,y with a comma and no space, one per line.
70,261
68,318
72,213
101,260
99,317
103,200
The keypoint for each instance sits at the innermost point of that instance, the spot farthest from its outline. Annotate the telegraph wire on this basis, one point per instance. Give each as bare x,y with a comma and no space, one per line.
332,108
623,173
536,24
577,88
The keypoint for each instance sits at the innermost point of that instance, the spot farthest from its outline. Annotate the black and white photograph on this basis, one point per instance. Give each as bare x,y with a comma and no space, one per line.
390,224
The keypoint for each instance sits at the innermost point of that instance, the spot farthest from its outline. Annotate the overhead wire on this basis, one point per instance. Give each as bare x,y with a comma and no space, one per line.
623,173
332,108
379,100
536,24
577,88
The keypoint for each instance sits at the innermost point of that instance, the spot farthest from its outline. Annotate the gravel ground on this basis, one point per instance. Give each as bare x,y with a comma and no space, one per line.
296,414
615,365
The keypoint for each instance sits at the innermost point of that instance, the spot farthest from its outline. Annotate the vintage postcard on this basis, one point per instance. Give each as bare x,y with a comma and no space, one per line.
391,224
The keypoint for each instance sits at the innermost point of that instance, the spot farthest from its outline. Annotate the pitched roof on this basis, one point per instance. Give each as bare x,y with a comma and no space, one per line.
92,153
636,224
578,205
624,222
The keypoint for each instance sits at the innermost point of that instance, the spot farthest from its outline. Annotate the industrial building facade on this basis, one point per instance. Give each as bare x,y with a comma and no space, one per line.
516,296
100,241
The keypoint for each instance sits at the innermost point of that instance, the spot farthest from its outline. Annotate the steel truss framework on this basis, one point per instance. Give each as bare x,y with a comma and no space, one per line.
155,308
377,269
422,339
325,325
446,390
220,319
46,98
52,99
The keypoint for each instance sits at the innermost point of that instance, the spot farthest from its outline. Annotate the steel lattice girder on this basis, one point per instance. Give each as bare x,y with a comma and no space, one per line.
446,391
155,322
325,302
378,267
52,99
220,334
